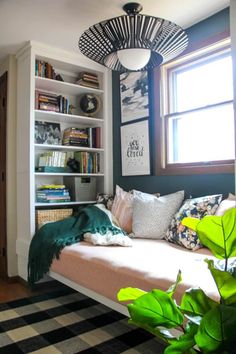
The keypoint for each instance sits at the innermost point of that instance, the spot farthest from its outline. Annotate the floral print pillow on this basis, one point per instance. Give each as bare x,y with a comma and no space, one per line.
196,208
105,199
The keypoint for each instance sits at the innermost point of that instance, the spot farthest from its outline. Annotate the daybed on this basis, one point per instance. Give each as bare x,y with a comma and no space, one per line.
147,264
152,262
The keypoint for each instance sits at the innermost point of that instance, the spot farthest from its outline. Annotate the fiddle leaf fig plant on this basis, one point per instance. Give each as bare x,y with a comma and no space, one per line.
205,325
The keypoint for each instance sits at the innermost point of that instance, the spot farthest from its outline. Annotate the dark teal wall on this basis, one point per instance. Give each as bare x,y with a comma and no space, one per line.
195,185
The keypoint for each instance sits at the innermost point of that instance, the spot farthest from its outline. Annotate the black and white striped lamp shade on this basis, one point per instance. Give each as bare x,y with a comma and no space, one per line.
163,38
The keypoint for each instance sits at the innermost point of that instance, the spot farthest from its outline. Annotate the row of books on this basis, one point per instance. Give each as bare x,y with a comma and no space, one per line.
51,102
52,194
88,80
85,137
44,69
52,159
56,161
88,162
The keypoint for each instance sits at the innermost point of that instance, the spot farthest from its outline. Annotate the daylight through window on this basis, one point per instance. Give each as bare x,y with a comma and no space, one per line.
198,115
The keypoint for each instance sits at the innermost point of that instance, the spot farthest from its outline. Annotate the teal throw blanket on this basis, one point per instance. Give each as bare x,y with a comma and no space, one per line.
51,238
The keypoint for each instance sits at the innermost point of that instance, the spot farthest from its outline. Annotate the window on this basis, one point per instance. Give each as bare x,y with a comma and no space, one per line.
197,117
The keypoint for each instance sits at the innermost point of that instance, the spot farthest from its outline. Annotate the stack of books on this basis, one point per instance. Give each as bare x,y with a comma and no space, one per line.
76,137
53,193
48,101
88,79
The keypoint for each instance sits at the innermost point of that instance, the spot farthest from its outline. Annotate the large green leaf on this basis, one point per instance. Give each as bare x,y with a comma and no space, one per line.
173,287
217,233
216,333
185,343
196,303
225,282
129,294
156,308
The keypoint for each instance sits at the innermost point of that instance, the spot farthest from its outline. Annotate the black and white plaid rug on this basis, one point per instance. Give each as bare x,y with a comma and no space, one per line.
69,322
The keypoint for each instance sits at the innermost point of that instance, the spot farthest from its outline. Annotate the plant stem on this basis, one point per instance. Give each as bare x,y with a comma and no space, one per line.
226,257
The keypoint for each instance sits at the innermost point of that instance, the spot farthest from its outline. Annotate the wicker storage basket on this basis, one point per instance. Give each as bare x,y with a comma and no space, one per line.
50,215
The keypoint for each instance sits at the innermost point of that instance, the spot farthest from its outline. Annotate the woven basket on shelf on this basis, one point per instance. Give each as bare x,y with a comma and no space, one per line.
50,215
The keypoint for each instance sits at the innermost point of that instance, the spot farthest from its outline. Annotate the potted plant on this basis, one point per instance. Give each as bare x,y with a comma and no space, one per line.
205,325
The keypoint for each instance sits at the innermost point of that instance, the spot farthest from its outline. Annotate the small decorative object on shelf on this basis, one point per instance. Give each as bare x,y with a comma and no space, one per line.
47,133
88,80
74,165
90,104
59,77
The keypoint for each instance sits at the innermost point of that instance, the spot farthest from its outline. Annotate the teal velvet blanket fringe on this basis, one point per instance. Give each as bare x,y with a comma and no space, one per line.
51,238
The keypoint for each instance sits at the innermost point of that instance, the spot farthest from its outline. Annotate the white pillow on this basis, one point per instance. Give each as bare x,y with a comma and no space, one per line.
152,215
225,205
108,239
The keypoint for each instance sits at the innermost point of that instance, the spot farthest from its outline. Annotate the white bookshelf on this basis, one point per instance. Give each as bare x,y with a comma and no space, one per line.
68,65
64,88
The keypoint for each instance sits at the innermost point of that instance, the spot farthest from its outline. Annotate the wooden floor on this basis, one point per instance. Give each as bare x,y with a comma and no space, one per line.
12,290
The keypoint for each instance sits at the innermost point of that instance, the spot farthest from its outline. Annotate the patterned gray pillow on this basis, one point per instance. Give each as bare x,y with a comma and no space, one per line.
152,215
197,208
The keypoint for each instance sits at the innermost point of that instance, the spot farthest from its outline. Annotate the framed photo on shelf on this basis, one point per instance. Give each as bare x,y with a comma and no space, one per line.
135,155
134,96
47,133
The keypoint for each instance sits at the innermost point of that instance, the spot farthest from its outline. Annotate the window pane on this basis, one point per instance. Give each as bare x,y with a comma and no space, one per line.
202,136
203,84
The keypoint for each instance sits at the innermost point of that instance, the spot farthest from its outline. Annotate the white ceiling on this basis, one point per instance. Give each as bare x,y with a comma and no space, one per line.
60,23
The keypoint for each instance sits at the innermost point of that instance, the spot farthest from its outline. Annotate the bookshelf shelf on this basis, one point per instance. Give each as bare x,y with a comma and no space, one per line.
64,204
69,174
64,88
68,118
66,148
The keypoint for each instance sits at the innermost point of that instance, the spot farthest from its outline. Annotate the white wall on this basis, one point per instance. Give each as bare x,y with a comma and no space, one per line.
9,65
233,45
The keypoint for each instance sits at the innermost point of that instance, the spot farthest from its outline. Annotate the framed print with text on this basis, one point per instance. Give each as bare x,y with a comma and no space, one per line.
135,155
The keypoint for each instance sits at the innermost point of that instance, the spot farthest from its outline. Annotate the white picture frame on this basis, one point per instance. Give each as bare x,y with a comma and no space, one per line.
135,152
134,96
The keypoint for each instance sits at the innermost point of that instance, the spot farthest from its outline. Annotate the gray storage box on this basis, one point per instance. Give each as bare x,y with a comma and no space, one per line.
81,188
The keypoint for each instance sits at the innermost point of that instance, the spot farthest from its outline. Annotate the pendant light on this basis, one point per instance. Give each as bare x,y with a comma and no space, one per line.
133,42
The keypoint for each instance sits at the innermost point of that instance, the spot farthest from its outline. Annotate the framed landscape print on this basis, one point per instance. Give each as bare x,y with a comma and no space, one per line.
134,96
135,156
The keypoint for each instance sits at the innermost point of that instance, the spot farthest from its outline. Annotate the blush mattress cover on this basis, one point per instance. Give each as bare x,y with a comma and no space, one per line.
148,264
